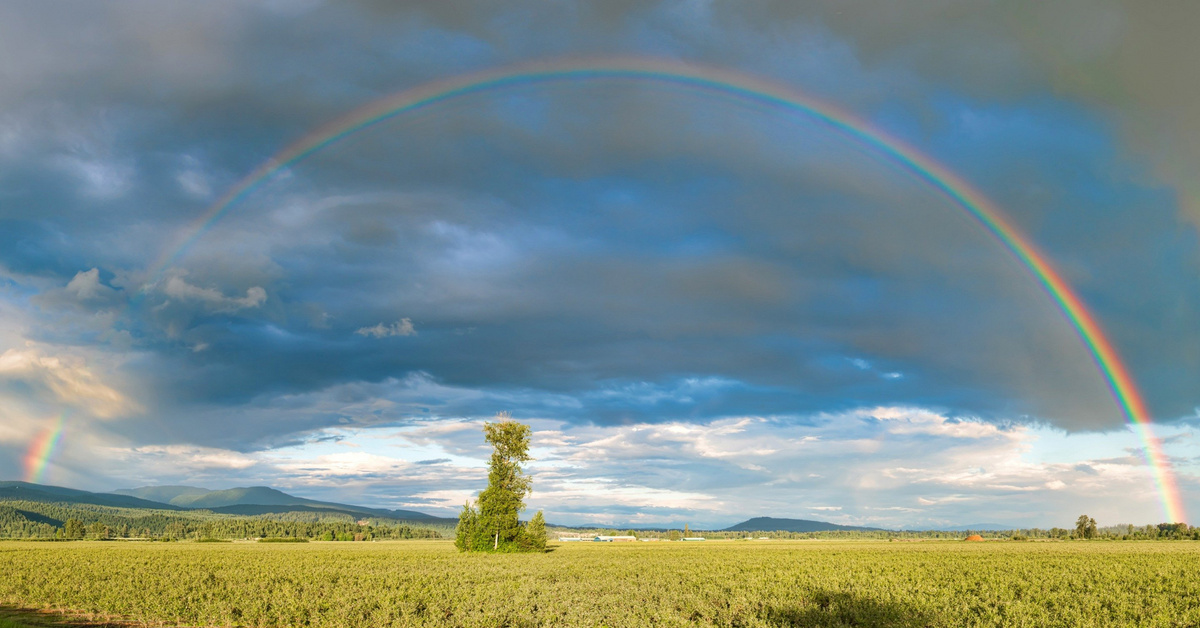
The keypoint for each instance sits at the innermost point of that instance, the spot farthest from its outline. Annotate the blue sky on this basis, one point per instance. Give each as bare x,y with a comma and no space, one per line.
707,310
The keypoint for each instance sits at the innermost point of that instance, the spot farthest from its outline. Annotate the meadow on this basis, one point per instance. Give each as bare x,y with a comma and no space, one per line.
715,583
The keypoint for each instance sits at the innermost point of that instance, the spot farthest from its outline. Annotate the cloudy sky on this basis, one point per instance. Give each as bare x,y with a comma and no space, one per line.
707,309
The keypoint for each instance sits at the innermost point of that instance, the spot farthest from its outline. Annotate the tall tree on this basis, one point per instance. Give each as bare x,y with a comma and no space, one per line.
496,525
73,529
1085,527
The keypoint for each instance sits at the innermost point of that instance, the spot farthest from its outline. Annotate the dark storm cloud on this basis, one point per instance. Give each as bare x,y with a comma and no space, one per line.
607,253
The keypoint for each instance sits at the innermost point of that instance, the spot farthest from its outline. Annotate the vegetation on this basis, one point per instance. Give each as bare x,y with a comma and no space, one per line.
743,583
1085,527
21,519
496,525
73,521
1119,532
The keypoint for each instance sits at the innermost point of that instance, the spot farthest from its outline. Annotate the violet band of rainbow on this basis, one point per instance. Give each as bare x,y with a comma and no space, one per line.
760,92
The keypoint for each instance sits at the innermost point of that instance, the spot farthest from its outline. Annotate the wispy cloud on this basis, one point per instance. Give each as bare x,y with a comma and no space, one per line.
402,327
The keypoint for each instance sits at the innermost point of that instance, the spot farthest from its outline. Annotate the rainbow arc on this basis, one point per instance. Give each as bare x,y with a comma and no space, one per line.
763,93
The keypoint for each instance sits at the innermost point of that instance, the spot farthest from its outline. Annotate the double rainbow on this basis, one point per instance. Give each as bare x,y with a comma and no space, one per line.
762,93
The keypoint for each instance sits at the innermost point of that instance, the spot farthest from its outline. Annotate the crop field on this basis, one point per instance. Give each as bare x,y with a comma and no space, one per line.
733,583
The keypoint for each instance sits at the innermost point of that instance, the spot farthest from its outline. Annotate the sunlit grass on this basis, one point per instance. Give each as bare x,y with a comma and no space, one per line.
734,583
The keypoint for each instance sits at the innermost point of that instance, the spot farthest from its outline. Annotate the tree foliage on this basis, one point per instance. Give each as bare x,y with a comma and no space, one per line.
493,524
45,520
1085,527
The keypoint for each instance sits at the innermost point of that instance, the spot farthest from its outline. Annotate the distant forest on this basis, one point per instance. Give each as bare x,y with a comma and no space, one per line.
26,519
54,520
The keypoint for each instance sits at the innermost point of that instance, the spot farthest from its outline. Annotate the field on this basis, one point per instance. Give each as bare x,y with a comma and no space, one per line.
732,583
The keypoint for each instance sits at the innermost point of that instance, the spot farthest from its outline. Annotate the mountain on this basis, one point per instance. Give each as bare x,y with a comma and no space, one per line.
254,500
772,524
163,494
44,493
257,500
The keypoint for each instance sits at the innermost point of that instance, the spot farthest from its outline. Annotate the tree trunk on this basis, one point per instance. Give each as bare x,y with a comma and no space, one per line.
497,544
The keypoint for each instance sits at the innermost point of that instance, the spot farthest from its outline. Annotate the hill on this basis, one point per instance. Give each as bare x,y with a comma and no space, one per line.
772,524
42,511
255,500
163,494
25,491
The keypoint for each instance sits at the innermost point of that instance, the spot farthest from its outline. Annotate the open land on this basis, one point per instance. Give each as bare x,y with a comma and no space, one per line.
729,583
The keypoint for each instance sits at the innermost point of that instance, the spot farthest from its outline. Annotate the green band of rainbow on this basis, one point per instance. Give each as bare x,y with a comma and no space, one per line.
760,92
42,450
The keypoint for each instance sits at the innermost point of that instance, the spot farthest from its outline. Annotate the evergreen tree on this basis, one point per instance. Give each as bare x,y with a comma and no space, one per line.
534,537
73,529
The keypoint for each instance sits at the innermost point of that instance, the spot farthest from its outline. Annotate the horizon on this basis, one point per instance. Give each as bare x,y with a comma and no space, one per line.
915,268
958,526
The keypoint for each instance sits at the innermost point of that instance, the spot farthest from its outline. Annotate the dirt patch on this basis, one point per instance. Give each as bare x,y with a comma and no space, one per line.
974,537
41,618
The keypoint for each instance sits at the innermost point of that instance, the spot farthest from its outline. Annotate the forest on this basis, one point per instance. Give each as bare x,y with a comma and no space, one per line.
72,521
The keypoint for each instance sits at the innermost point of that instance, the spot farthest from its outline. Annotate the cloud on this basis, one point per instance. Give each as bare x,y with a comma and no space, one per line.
86,286
212,299
64,378
402,327
663,475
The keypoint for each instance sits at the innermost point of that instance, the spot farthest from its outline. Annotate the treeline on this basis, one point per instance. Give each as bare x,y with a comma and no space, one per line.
1122,532
42,520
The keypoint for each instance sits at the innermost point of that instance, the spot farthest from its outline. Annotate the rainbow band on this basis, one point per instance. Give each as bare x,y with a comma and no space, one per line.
760,92
42,449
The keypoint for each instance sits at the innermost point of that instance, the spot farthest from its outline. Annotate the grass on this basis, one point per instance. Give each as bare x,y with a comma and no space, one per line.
775,584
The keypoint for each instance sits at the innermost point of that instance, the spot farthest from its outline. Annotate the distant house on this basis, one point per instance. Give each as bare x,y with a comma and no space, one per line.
604,538
693,538
568,539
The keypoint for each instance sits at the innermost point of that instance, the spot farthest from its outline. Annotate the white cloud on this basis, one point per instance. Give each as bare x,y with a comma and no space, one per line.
178,288
402,327
64,378
86,286
184,458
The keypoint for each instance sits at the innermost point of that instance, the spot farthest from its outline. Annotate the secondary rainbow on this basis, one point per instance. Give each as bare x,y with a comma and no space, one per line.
42,449
762,93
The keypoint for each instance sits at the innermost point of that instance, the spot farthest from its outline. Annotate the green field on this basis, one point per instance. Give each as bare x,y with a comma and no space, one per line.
731,583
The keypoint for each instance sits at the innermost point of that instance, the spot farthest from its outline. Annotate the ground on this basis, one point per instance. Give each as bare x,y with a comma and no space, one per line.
730,583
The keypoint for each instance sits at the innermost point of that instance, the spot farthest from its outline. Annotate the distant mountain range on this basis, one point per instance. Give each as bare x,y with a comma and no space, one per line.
261,500
258,500
772,524
254,500
44,493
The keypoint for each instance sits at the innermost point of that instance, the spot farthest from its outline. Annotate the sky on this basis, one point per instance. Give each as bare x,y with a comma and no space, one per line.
708,309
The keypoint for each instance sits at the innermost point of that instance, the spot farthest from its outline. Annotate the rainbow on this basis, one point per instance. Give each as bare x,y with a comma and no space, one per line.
41,450
763,93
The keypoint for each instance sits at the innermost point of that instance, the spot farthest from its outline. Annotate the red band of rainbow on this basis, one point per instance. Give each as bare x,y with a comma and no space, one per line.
760,92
